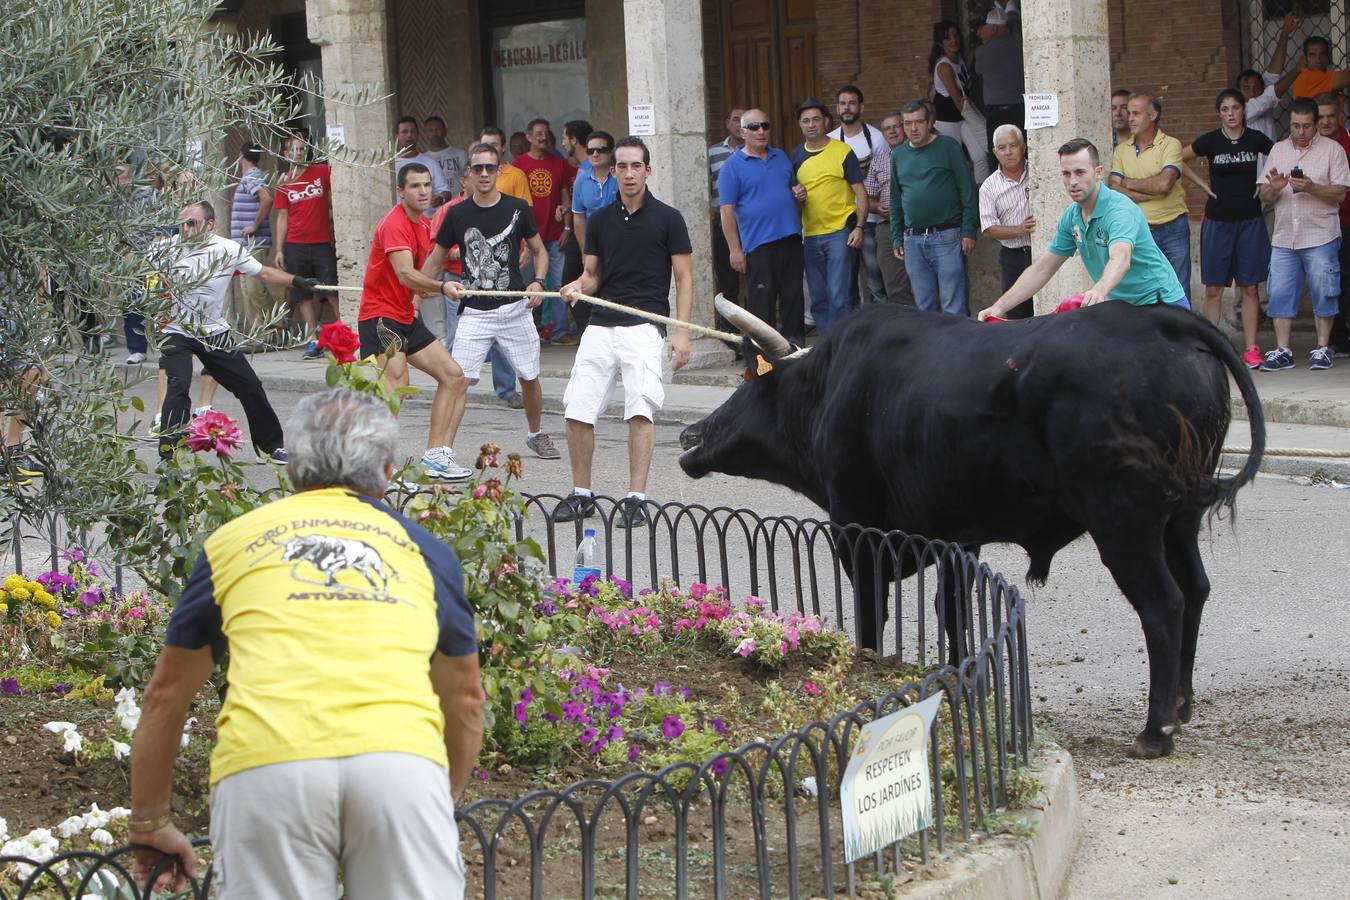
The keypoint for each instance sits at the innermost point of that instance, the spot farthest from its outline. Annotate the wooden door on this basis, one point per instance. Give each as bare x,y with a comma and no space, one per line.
769,59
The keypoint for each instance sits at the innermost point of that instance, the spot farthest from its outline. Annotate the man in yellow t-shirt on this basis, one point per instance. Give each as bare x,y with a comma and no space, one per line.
1317,77
833,213
1147,169
353,683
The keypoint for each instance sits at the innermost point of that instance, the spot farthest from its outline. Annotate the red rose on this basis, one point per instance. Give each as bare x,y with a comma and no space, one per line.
340,341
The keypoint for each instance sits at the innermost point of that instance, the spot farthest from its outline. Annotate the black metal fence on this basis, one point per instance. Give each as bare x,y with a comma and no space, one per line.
763,820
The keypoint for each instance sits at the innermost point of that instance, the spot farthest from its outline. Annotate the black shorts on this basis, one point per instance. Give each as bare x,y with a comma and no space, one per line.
317,261
379,334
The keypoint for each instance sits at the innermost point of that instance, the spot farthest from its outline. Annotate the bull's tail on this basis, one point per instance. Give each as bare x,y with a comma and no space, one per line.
1223,489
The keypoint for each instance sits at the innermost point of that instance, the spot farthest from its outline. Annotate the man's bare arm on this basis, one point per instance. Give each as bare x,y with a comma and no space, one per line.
459,687
1032,279
1155,185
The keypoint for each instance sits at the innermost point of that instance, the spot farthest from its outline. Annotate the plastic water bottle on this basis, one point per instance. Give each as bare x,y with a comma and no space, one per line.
588,559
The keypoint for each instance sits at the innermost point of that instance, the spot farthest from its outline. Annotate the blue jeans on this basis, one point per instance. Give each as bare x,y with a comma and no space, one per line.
1174,240
876,285
503,375
1318,268
133,329
937,271
829,271
554,307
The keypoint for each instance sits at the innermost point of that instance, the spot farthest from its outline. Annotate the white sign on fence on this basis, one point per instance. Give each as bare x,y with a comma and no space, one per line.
1042,110
642,119
887,790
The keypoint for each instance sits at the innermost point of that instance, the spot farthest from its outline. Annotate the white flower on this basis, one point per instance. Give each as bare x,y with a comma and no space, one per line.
187,730
58,727
128,713
4,829
71,827
809,785
118,813
101,836
73,742
96,818
121,750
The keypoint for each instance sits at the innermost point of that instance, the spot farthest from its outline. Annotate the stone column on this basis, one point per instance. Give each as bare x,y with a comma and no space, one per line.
1065,51
664,41
353,35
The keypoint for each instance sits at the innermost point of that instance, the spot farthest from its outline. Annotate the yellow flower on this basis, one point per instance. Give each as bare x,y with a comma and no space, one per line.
19,593
53,619
4,609
14,581
33,587
44,599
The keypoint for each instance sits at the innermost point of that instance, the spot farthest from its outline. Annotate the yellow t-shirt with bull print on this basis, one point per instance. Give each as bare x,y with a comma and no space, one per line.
331,605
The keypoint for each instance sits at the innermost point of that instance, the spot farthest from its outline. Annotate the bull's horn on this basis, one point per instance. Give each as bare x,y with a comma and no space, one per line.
798,353
753,327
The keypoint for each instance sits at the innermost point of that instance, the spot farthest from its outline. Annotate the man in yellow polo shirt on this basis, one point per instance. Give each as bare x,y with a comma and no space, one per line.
833,213
1147,169
353,684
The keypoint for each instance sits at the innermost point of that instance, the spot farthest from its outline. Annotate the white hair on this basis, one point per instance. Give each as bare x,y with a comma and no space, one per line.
1009,128
341,437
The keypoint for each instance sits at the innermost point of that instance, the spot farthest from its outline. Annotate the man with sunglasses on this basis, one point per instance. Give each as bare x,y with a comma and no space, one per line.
758,193
594,189
488,227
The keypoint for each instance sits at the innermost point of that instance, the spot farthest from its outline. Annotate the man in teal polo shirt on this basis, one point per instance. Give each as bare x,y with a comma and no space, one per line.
1109,232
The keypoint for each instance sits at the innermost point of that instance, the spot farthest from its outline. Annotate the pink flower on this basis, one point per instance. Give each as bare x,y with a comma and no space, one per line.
214,431
746,647
791,636
811,689
672,727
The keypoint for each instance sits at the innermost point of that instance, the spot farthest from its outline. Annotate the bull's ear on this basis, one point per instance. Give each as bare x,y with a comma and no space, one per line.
762,366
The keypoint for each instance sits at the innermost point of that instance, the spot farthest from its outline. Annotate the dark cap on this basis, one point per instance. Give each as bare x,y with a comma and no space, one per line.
251,151
812,103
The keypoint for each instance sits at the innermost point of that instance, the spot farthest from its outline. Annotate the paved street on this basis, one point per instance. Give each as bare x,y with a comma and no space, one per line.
1253,804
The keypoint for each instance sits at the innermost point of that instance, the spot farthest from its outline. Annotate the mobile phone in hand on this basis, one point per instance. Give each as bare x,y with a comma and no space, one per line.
1296,172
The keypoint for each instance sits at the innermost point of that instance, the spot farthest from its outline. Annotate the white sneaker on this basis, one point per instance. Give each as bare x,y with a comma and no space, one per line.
439,463
153,430
135,359
201,410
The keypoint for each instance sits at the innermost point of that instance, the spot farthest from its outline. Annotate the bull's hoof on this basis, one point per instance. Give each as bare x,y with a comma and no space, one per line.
1184,708
1150,748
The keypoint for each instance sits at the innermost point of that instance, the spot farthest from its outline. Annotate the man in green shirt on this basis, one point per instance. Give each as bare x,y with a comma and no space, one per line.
1109,232
934,215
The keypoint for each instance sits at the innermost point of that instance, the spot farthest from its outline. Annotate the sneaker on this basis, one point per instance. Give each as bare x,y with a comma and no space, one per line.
1278,360
1340,351
542,445
632,513
13,476
278,456
545,333
574,506
1252,357
107,340
514,400
1319,358
439,463
201,411
135,359
313,351
566,339
19,462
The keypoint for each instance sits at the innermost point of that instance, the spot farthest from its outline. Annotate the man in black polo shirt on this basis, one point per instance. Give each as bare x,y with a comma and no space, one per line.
632,248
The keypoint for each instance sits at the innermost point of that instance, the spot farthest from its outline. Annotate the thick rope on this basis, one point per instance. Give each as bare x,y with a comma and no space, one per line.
1292,451
596,301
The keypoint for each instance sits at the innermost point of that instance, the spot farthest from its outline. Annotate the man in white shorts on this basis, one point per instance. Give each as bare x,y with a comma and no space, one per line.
488,228
632,248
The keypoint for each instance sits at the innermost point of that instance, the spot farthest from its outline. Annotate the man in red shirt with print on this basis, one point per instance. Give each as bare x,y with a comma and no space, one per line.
550,180
304,235
388,318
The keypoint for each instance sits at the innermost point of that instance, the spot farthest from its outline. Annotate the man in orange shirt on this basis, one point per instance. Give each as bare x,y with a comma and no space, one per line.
1316,77
510,179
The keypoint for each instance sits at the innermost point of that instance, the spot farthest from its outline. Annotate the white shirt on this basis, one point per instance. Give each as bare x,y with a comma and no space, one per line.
453,161
204,273
863,144
1261,111
1006,202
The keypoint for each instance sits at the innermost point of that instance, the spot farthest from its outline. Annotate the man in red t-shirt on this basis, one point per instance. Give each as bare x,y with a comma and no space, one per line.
304,236
1331,124
550,180
388,323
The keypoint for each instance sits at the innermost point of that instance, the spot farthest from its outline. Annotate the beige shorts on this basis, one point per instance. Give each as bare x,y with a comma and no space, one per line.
385,820
632,351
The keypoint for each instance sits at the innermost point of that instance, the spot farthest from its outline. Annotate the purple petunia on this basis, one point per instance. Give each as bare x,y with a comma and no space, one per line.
672,727
546,607
633,753
719,726
720,766
9,685
661,689
74,554
588,735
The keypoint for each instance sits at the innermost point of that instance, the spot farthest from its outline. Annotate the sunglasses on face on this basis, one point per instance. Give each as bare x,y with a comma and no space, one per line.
594,150
483,168
756,126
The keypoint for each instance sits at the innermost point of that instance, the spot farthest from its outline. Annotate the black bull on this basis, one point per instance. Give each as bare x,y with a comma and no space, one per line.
1108,420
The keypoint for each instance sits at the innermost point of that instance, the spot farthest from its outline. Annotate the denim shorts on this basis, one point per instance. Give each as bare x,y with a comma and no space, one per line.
1319,268
1234,252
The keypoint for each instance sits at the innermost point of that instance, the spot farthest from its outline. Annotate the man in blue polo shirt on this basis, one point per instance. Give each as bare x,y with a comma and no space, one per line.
1111,235
758,193
594,188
